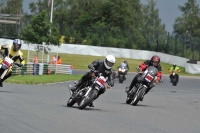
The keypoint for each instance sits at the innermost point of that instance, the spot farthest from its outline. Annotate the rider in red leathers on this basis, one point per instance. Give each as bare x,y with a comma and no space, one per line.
155,60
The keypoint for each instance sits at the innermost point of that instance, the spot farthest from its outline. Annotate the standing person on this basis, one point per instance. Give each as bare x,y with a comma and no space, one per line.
176,69
155,60
59,61
53,60
71,69
35,59
14,52
100,66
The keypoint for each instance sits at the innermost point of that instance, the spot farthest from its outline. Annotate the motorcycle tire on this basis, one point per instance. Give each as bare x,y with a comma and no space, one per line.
121,79
87,100
128,100
174,81
70,102
138,96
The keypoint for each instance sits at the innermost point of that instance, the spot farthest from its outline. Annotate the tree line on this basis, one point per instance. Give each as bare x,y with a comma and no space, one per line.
108,23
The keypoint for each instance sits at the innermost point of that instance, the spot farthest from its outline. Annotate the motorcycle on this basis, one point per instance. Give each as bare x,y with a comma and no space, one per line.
122,71
147,79
174,78
88,92
6,65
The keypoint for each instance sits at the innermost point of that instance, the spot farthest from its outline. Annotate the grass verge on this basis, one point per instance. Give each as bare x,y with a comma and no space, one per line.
42,79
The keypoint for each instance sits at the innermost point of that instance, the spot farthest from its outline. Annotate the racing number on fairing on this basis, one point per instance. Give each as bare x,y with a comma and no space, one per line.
101,81
7,61
148,77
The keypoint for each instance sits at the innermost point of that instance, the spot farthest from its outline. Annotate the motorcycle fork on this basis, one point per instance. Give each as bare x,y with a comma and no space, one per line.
90,88
140,89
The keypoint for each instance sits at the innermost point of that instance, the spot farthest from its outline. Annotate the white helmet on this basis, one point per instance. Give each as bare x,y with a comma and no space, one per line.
109,61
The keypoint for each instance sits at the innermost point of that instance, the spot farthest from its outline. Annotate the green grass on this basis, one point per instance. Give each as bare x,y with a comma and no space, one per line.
81,62
42,79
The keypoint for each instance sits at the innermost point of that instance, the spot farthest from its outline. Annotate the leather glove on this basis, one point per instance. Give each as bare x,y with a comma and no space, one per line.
96,71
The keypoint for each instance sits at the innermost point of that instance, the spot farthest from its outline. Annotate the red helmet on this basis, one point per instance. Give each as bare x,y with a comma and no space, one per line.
155,58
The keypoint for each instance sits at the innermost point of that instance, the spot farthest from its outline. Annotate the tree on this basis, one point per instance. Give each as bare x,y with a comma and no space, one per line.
41,30
189,22
152,29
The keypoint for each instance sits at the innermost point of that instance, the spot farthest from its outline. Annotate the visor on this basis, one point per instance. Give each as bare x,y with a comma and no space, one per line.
17,46
110,64
155,63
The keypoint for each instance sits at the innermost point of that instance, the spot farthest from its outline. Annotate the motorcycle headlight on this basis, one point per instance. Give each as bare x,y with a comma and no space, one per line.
123,70
120,69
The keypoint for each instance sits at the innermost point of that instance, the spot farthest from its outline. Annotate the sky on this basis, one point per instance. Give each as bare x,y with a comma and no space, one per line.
168,10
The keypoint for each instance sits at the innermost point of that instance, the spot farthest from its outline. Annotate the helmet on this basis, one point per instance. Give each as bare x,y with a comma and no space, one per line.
109,61
125,62
174,65
17,44
155,59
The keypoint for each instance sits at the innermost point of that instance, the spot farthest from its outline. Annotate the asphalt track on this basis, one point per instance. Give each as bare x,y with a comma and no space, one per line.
42,109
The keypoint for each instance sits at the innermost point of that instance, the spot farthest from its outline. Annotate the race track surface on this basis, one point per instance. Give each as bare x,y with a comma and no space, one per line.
42,109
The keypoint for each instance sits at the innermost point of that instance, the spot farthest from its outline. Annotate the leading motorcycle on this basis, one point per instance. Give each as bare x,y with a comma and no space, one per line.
147,79
87,92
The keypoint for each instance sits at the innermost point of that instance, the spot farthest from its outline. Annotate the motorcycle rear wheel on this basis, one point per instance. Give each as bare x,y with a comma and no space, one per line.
87,100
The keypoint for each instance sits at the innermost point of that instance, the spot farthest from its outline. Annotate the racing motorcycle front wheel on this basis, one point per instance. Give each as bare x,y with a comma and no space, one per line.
88,99
70,102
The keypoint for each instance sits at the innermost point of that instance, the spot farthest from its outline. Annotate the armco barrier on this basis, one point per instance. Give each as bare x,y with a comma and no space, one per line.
40,69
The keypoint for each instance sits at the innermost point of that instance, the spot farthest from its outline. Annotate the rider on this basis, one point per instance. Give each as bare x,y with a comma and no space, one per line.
155,60
176,69
100,66
126,64
14,52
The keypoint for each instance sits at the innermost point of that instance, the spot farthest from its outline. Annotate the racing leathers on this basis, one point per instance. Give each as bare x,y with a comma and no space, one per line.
14,55
98,66
142,67
176,69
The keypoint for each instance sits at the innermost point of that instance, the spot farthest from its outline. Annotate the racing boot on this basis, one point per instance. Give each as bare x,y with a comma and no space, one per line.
91,104
127,89
77,85
131,91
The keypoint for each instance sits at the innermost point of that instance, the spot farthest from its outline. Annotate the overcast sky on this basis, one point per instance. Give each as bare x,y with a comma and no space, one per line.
168,10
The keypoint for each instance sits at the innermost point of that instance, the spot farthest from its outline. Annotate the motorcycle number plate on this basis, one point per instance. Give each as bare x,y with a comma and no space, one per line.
7,62
148,78
101,81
